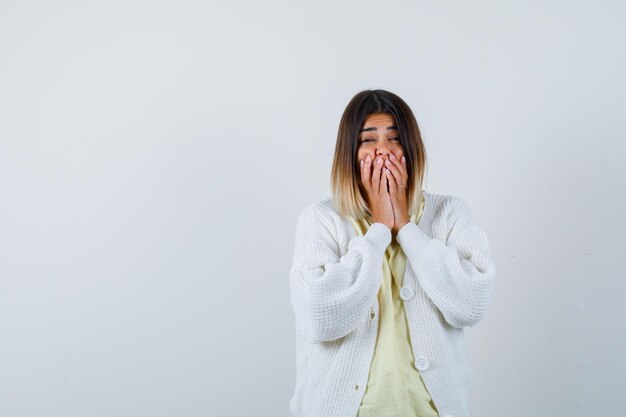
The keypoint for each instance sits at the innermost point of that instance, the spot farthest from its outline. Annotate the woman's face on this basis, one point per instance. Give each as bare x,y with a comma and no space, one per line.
379,137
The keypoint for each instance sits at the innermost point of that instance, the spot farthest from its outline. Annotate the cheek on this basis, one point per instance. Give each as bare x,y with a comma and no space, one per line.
361,154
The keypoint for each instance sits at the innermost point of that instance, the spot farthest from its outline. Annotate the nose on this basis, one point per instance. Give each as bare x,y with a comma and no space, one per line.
383,151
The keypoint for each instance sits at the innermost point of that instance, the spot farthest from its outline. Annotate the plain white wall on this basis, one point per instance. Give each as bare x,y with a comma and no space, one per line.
154,156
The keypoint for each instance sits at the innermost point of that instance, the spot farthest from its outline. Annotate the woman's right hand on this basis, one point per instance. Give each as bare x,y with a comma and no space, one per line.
378,198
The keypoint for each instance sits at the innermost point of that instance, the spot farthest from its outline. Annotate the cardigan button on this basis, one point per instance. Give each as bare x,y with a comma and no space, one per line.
421,363
406,293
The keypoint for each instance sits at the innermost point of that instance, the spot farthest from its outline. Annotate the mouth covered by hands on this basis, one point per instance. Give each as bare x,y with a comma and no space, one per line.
385,182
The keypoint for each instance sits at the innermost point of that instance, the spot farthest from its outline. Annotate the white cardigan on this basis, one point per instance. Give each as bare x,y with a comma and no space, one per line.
334,282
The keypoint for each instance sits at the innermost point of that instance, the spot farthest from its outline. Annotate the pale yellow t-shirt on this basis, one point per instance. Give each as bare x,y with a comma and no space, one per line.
395,387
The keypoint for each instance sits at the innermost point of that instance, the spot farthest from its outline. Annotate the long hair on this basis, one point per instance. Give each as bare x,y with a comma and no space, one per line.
349,195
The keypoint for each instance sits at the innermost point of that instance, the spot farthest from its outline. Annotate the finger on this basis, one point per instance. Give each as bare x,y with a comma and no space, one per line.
376,180
401,174
405,173
366,173
395,171
395,162
392,185
384,183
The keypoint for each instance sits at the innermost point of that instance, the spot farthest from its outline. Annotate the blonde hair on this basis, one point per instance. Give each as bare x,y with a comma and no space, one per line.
348,194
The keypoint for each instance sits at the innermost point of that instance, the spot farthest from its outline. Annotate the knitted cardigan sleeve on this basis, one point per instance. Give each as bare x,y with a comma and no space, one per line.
332,294
458,275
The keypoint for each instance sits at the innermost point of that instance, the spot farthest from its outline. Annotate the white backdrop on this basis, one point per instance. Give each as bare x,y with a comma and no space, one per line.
154,156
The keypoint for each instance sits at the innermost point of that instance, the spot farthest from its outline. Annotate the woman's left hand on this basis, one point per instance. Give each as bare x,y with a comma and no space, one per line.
397,174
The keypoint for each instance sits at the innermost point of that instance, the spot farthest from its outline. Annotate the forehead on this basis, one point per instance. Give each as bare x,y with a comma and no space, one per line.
385,119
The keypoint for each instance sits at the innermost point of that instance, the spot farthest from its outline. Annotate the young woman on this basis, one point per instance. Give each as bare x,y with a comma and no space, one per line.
384,279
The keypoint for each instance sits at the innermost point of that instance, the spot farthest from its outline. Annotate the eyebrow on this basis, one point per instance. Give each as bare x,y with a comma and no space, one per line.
369,129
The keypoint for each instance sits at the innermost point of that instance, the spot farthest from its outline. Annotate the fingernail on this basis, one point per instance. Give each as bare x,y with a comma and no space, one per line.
368,158
403,159
361,162
392,156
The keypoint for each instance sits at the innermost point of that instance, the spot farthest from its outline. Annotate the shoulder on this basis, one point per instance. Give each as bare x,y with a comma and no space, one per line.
452,212
320,213
448,205
319,207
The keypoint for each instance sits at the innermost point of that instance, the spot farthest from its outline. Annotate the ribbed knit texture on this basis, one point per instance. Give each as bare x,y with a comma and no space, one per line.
334,281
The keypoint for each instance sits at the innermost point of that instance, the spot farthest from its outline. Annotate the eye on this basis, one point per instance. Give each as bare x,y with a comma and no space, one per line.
367,140
396,138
